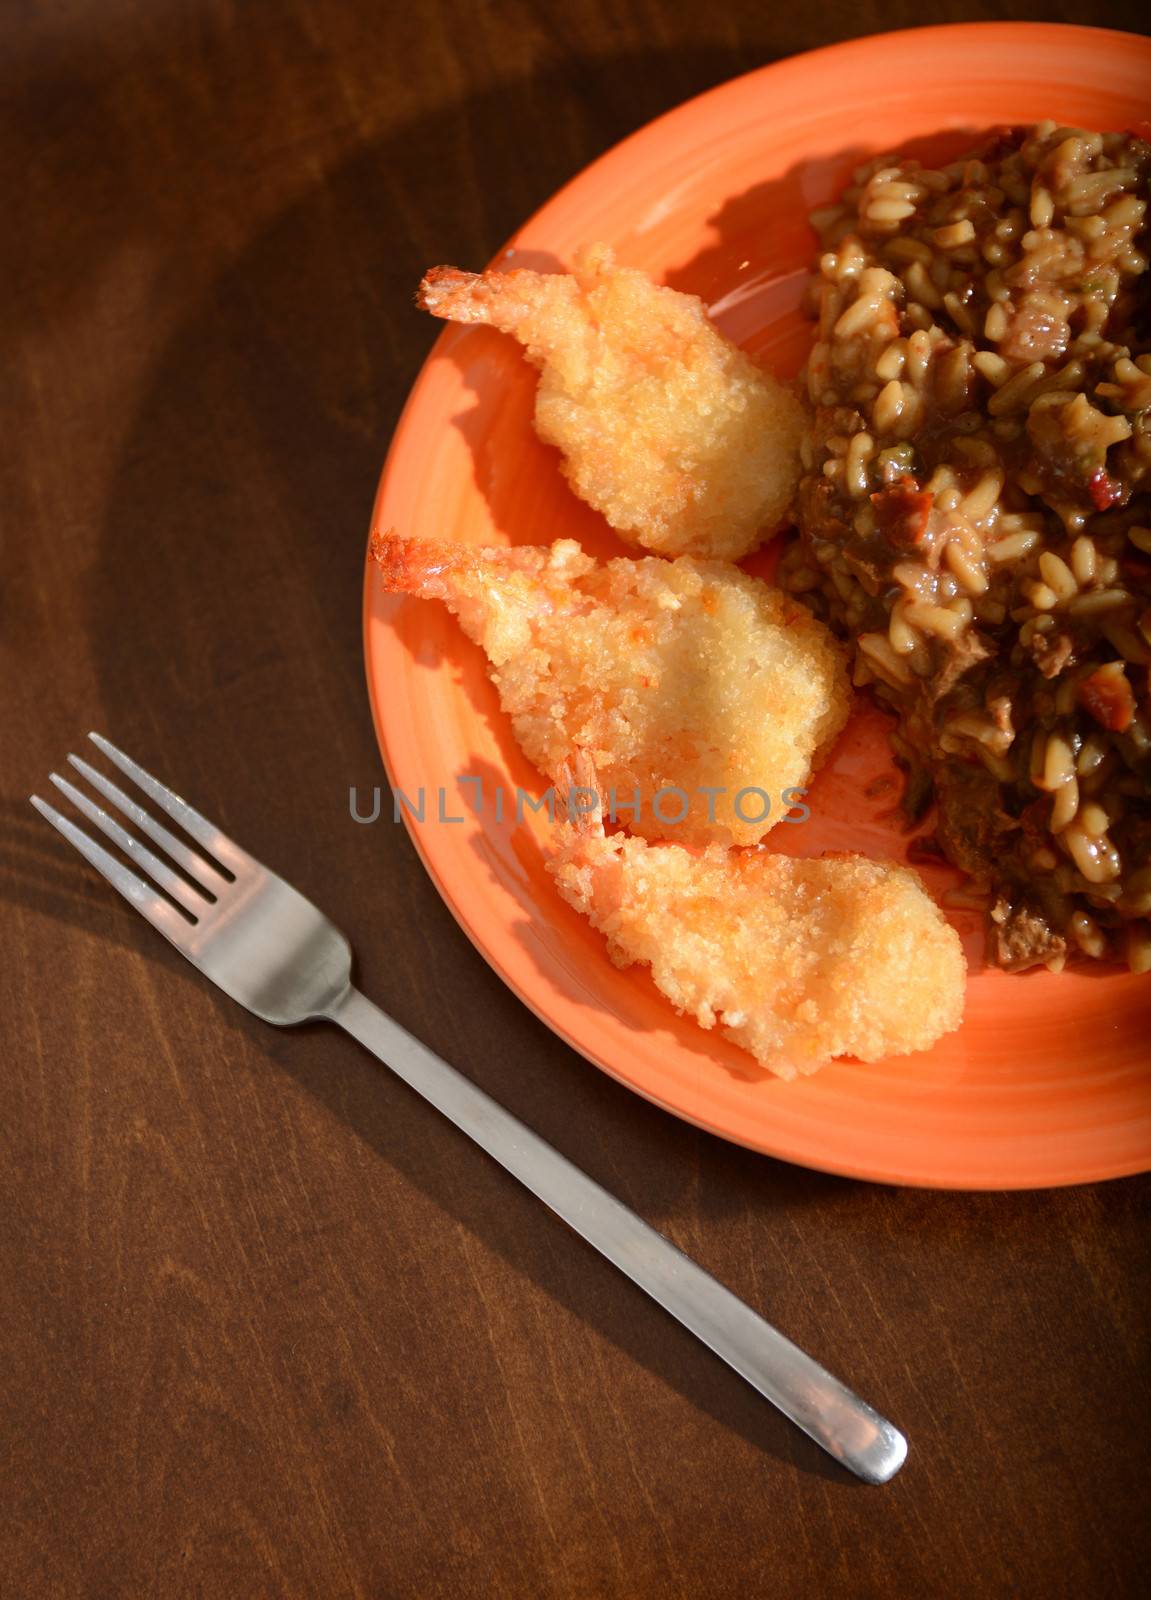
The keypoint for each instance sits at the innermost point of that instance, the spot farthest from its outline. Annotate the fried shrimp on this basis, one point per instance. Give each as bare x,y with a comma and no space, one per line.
684,444
702,694
796,961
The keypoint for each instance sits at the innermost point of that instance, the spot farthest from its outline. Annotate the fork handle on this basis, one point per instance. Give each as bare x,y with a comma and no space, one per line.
845,1426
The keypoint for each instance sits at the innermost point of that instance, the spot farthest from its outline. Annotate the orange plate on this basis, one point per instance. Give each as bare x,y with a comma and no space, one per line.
1047,1082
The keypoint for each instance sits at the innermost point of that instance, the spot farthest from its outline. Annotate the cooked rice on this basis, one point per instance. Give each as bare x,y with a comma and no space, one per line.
975,514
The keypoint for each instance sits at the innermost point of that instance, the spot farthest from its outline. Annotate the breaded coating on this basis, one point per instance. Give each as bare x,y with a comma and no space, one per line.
684,444
796,961
674,675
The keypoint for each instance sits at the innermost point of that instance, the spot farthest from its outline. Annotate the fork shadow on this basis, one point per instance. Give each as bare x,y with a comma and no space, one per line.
506,1217
38,871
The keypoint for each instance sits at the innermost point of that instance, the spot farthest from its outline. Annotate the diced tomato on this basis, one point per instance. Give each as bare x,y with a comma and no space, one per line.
1108,697
1103,489
902,510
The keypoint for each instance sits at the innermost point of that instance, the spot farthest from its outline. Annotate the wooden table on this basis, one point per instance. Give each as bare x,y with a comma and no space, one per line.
269,1326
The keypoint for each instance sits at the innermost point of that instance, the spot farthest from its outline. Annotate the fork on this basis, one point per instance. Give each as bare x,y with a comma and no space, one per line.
272,950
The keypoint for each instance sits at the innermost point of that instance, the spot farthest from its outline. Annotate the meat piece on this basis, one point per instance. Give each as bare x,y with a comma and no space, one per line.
1040,328
1022,937
973,829
1051,652
957,658
902,511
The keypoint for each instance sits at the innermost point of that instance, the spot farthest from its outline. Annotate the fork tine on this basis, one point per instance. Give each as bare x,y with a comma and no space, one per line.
193,864
205,832
146,900
157,870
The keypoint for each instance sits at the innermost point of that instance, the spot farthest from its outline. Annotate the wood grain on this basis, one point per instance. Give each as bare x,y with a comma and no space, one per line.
269,1328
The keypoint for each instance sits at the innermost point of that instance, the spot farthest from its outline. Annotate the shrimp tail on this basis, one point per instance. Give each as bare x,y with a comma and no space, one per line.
454,295
578,793
504,300
422,567
521,302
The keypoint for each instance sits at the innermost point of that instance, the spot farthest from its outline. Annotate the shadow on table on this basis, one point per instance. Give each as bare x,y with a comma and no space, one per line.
280,392
41,872
651,1157
507,1219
